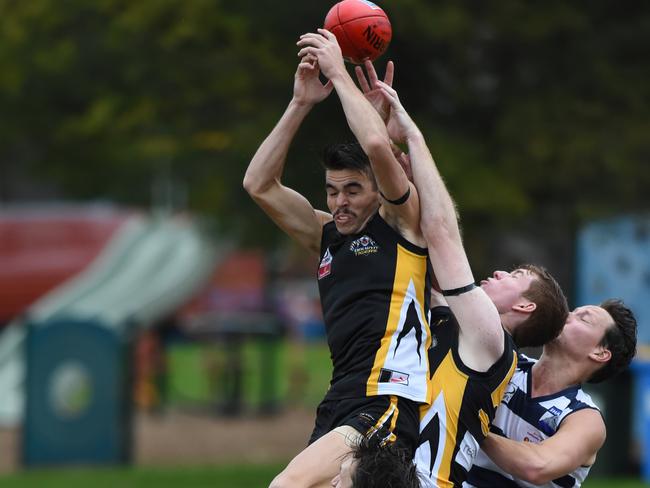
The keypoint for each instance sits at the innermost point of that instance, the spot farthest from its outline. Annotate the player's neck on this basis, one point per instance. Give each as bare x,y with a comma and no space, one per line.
552,374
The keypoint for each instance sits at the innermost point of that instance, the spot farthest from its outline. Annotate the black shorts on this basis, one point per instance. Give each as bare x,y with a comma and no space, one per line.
399,415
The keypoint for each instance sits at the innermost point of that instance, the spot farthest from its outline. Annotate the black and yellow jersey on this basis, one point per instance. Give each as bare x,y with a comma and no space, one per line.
374,288
462,404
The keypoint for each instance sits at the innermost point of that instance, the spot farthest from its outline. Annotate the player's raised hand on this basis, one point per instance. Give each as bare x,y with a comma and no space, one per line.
372,91
325,47
307,87
400,125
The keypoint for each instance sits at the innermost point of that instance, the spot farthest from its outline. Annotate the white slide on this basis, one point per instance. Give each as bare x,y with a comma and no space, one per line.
147,270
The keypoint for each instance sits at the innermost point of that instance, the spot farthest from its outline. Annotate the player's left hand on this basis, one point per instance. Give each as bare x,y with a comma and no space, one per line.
326,49
371,90
400,126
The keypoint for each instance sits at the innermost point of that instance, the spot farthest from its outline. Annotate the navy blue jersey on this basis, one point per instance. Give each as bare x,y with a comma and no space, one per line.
523,418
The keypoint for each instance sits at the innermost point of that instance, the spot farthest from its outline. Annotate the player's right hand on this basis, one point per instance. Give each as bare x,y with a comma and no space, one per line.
307,87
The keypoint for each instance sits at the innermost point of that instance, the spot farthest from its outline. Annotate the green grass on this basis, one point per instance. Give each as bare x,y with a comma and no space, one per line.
614,483
200,373
250,476
208,477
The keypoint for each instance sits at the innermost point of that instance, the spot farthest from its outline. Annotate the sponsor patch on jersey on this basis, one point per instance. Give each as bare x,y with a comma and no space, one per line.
394,377
364,245
325,266
533,437
434,341
555,411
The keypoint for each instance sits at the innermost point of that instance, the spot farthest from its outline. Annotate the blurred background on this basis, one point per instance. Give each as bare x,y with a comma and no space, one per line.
152,316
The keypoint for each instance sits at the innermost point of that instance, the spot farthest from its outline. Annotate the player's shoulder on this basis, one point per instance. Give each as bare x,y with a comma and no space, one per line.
584,399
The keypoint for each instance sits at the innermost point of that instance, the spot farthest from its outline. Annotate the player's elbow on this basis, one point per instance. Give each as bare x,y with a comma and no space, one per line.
439,228
249,184
377,147
254,185
536,472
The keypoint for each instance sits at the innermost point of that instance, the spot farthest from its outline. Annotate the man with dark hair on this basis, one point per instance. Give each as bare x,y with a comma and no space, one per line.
619,339
373,275
547,430
371,466
375,463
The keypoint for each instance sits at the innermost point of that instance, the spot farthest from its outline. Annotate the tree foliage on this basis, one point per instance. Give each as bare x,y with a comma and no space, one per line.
529,108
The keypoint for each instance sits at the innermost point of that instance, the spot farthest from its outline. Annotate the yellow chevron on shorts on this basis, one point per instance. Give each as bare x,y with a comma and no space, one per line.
391,412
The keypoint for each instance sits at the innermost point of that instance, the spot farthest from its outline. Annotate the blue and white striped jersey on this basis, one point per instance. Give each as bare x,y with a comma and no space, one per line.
522,418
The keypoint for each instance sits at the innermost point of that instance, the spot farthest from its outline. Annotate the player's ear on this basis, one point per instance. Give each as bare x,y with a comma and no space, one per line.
601,354
525,307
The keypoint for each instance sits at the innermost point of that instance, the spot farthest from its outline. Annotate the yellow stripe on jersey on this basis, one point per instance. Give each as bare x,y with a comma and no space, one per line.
409,267
449,381
485,422
500,390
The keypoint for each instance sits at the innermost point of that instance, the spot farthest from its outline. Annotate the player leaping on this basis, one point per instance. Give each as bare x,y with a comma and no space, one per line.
372,277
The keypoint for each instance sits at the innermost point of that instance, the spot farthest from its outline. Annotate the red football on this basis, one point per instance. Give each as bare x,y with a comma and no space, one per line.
361,28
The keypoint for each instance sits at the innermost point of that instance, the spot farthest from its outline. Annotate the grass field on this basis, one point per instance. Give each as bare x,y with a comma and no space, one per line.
207,477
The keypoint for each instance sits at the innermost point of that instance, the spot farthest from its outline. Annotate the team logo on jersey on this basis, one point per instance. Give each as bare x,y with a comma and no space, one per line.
469,451
325,266
394,377
549,421
510,392
364,245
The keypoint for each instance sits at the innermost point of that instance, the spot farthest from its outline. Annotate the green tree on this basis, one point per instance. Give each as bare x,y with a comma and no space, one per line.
533,112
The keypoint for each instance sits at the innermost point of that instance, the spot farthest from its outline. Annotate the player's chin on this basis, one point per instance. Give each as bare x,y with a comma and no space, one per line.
346,228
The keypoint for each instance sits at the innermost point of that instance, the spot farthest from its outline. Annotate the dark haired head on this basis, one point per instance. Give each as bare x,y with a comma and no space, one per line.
383,466
546,321
619,339
379,463
350,156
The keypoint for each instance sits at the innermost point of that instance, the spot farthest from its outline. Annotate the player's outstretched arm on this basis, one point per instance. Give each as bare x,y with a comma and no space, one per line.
575,444
286,207
481,334
370,130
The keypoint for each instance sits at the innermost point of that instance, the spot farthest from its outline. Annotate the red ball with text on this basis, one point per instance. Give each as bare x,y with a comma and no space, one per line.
362,29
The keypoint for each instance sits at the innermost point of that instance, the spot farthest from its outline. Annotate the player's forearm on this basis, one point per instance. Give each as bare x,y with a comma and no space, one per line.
523,460
363,119
437,209
267,164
